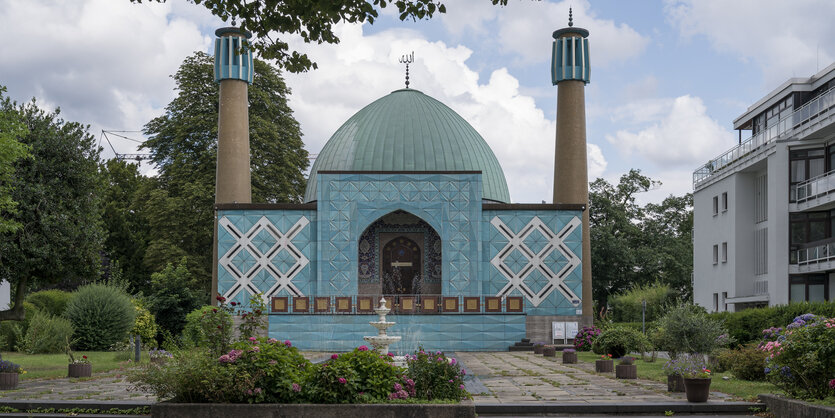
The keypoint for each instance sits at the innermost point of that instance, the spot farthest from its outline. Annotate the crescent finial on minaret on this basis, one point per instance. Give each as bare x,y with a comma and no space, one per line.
570,18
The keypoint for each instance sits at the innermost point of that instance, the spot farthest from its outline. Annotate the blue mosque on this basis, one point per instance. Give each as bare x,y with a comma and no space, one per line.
406,200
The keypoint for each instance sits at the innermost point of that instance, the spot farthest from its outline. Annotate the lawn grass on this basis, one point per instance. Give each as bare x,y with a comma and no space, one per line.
52,366
743,389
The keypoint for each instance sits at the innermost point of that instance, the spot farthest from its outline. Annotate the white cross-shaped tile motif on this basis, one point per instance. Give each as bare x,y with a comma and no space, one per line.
243,279
536,261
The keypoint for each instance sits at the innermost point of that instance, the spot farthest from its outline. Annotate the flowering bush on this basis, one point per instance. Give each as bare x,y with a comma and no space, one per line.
358,375
585,338
159,354
436,376
276,366
216,324
253,321
687,365
801,359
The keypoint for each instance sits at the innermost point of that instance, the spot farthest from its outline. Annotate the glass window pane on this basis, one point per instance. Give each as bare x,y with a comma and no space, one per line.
817,230
816,167
816,293
798,171
798,232
797,293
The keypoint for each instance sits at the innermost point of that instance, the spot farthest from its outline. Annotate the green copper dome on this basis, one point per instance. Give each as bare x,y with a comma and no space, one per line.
409,131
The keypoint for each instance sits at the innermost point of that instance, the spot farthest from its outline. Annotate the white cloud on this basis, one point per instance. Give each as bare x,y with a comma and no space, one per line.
671,132
785,38
104,62
363,68
525,28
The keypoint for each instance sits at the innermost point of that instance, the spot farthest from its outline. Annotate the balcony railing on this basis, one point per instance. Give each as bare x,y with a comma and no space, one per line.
823,105
817,254
815,187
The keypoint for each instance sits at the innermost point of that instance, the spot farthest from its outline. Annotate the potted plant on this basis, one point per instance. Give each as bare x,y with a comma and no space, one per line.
538,347
79,367
569,356
627,369
549,351
605,364
673,368
159,356
697,379
9,374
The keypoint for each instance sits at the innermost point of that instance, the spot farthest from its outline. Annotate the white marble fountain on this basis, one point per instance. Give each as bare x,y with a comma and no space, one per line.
382,341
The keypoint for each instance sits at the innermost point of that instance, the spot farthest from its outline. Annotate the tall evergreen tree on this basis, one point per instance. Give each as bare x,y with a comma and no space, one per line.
183,143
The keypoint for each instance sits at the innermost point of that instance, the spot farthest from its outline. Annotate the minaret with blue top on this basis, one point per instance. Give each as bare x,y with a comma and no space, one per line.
570,73
234,71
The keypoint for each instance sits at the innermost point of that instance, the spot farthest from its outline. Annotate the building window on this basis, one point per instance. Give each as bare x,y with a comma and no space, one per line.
724,201
811,288
715,302
724,252
715,205
724,301
804,164
715,254
809,229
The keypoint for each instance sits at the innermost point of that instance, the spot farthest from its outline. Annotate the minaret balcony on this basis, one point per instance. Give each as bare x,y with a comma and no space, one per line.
809,119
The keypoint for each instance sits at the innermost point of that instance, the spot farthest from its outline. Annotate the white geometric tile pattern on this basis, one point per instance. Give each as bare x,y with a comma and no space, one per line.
507,260
250,259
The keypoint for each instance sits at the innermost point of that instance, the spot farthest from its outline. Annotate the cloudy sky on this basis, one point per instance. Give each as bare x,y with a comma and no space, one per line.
668,76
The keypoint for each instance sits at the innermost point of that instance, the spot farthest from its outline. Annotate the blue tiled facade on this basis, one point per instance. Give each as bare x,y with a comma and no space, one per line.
506,251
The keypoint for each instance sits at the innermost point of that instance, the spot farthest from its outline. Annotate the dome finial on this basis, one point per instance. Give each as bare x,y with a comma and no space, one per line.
407,59
570,18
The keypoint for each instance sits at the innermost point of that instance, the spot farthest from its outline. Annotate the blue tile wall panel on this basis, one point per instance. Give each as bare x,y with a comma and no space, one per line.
432,332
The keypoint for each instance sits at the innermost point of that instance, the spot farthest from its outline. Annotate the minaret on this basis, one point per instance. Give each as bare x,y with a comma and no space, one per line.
234,71
570,73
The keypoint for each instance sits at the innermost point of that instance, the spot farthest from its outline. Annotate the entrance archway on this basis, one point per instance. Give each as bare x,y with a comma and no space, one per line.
401,267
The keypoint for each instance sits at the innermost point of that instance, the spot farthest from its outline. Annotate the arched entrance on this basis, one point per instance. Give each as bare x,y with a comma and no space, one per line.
399,253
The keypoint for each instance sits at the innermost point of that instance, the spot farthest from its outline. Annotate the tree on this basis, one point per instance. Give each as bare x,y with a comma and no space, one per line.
183,143
173,297
59,210
11,150
311,20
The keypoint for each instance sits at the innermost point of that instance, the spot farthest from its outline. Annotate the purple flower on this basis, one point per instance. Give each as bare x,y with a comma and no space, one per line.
461,387
463,372
832,383
343,380
287,343
397,387
452,361
296,387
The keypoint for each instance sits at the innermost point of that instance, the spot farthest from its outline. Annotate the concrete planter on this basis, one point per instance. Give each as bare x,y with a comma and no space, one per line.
173,410
8,381
626,371
549,351
697,389
604,366
675,383
80,370
569,357
785,407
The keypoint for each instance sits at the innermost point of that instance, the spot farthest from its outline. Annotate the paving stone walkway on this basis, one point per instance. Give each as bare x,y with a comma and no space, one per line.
522,377
496,378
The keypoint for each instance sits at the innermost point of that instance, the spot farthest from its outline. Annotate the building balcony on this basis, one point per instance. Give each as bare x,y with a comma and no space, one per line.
806,120
814,259
815,193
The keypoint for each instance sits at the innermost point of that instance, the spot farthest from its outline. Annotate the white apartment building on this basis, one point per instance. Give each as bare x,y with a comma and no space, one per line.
764,211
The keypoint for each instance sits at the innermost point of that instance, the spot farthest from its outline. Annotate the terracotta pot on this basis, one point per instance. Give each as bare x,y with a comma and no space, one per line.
8,381
569,357
675,383
80,370
549,351
537,349
626,371
697,389
604,366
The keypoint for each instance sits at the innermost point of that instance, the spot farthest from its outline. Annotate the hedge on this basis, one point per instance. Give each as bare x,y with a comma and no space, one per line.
747,326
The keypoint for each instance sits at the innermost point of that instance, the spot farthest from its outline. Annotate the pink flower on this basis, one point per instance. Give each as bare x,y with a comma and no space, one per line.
256,349
287,343
224,359
461,387
463,372
362,348
334,356
257,391
253,339
450,380
249,392
832,383
397,387
343,380
272,341
296,387
390,354
452,361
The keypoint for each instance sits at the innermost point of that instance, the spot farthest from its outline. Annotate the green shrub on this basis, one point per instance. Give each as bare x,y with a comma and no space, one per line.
436,376
746,326
619,341
172,298
627,306
144,325
46,334
53,302
585,338
802,359
192,335
216,326
747,363
102,315
12,332
688,329
278,364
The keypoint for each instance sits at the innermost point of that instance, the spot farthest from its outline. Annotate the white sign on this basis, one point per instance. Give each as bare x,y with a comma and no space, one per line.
571,329
558,329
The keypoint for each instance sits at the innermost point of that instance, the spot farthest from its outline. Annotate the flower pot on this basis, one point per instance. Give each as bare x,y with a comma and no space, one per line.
8,381
697,389
626,371
549,351
569,357
80,370
675,383
538,349
604,366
